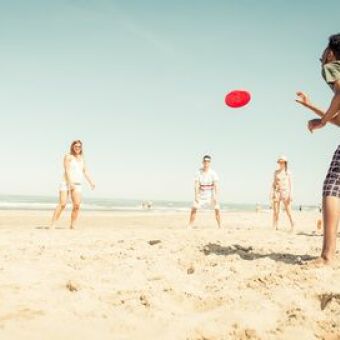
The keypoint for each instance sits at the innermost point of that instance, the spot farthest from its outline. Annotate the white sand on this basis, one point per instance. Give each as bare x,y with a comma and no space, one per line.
105,281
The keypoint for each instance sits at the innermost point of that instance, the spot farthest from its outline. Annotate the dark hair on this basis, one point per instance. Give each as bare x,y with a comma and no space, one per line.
286,167
334,45
207,157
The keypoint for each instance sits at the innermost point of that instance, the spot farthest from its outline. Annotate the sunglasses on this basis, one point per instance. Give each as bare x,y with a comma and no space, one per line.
77,146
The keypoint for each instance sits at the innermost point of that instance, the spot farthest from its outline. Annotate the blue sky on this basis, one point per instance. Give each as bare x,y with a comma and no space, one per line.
142,83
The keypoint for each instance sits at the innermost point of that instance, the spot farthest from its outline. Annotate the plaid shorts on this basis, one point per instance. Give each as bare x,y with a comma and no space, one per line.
331,185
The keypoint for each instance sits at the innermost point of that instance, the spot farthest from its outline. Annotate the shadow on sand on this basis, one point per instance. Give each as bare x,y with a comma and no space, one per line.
314,234
45,227
247,253
309,234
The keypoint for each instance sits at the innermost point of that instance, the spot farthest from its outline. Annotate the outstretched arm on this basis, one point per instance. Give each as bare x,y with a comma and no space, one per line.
216,190
272,189
88,177
290,188
304,100
332,113
67,161
197,190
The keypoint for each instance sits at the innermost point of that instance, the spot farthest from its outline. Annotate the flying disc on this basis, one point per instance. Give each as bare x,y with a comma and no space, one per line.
237,98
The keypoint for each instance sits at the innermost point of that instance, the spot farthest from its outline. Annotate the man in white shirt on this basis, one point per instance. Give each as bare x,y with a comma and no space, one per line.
206,191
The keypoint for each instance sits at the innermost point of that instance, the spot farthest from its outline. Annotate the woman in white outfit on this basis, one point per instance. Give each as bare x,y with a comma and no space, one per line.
71,184
282,191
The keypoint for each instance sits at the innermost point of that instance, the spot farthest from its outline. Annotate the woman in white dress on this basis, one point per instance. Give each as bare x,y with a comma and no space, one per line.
282,192
71,184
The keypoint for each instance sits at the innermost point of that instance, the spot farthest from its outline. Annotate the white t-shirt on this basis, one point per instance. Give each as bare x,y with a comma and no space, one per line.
206,182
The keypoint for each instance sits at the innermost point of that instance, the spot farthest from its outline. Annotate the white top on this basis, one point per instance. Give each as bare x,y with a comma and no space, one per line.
76,170
206,182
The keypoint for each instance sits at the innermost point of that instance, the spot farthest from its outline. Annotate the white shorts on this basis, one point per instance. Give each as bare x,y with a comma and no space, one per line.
205,203
65,187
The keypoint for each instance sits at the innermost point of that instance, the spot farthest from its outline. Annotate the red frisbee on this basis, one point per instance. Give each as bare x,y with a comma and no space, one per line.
237,98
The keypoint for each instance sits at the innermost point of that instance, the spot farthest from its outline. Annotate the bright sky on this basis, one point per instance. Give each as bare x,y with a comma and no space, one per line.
142,83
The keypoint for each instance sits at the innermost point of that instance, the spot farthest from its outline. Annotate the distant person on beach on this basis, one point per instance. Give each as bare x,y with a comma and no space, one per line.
146,205
282,192
71,184
330,63
206,191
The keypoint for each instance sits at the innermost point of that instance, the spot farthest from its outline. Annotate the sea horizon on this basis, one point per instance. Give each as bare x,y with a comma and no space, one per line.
44,202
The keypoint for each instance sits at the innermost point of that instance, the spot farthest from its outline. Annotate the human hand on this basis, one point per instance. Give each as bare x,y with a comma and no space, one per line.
315,124
302,99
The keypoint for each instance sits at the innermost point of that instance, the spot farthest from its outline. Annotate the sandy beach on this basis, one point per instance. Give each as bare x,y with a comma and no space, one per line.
145,276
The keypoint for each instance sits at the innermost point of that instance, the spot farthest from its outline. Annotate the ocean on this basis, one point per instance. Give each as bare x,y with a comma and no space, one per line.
19,202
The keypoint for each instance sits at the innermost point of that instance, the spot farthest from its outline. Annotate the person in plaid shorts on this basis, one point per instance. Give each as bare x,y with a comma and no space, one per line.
331,186
330,62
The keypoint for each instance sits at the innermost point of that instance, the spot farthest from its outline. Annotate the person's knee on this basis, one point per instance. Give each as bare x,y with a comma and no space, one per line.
62,206
193,210
76,206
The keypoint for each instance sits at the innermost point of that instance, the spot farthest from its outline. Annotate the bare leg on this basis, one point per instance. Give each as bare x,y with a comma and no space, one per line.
288,208
276,212
76,200
192,216
63,195
218,217
331,213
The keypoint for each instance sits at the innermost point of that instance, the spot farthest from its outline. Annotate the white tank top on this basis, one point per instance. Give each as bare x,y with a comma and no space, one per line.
76,170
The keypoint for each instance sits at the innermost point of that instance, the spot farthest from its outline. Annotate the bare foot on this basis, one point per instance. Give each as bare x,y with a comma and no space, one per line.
72,227
320,262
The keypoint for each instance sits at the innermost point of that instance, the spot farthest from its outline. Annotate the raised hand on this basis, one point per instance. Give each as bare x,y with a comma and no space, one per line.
302,99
